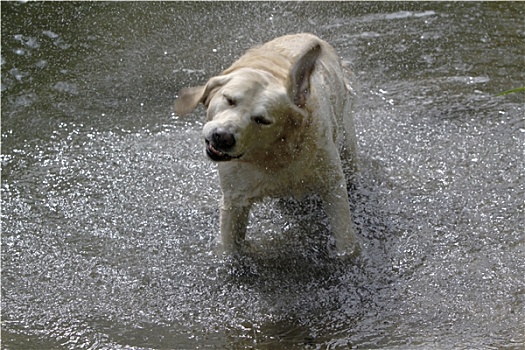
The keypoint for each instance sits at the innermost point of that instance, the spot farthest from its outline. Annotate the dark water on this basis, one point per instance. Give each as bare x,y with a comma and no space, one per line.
109,208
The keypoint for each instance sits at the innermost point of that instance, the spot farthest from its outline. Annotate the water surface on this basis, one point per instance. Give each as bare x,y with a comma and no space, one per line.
110,209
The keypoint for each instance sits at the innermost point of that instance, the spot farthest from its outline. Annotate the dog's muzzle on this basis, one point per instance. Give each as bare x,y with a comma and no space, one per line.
219,144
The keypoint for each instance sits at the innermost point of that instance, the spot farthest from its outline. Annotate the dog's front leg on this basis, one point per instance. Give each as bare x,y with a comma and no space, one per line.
338,211
234,219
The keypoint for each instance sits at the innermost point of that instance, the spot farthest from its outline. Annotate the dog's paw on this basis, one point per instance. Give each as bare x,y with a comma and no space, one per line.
349,250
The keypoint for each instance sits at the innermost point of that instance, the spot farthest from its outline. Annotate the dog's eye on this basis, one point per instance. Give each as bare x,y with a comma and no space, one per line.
231,102
261,120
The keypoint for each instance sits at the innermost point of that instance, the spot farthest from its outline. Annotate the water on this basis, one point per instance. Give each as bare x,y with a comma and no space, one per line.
109,208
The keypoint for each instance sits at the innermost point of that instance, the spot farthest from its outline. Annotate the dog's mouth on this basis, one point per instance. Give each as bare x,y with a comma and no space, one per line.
217,155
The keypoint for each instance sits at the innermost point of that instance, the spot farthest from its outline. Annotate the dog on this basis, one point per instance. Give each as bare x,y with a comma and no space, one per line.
279,124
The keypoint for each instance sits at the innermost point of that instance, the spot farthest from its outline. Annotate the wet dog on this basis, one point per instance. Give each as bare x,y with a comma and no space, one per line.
279,124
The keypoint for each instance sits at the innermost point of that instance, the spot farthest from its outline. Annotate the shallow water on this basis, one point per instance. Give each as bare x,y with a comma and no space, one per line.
109,208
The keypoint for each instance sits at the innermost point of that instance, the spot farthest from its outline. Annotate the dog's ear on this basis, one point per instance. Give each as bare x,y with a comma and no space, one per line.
190,97
299,88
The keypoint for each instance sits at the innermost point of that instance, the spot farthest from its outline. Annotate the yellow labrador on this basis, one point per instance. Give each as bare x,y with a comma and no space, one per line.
279,123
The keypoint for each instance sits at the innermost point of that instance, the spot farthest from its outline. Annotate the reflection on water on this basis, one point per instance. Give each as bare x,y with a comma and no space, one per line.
109,208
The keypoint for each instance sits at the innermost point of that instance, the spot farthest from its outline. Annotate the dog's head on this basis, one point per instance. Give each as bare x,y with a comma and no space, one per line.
251,113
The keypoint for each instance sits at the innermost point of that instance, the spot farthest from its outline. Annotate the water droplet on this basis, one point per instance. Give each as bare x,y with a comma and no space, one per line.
50,34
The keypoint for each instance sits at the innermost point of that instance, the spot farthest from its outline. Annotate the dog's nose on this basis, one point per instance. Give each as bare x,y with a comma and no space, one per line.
223,139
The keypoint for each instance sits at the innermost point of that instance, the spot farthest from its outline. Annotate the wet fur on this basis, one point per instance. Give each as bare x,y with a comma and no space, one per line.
287,106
